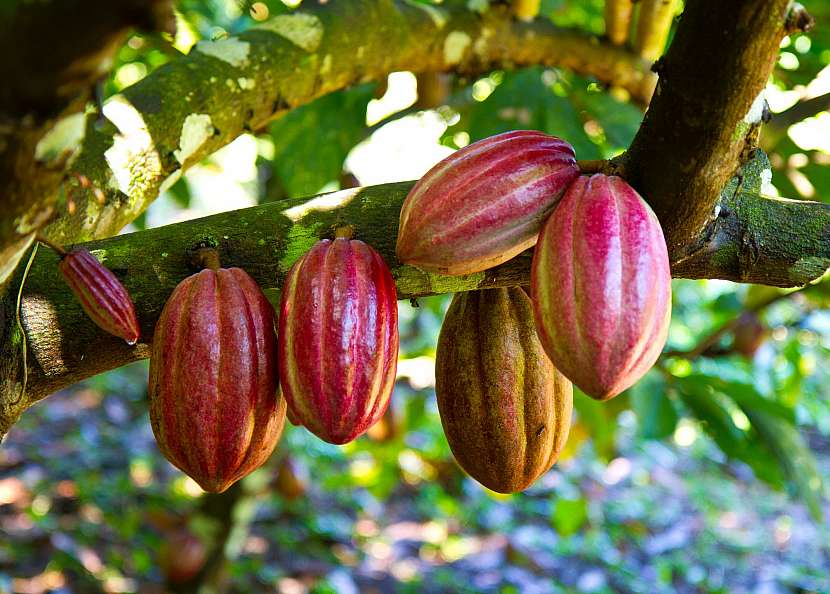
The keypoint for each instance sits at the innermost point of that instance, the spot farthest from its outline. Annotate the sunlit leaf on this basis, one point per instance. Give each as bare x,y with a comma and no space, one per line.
524,101
792,452
569,515
312,141
656,414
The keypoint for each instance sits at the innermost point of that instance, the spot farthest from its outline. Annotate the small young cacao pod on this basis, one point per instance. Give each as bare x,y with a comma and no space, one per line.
101,294
214,404
485,203
749,334
601,286
182,556
505,409
338,339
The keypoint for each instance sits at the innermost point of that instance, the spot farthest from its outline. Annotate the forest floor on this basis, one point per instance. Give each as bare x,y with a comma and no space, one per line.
81,483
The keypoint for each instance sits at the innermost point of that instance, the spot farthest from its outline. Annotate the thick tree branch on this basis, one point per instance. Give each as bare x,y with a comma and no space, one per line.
66,347
618,20
694,133
51,55
767,241
194,105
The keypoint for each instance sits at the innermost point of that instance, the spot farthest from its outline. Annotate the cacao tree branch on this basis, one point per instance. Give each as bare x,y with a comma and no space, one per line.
777,127
66,347
618,20
196,104
52,53
653,27
695,132
710,340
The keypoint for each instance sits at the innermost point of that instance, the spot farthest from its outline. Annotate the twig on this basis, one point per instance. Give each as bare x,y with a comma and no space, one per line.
618,20
653,27
23,340
50,244
709,341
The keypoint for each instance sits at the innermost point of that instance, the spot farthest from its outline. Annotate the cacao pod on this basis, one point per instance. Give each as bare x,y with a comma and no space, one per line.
214,404
505,409
749,334
289,483
101,294
182,556
338,339
485,203
601,286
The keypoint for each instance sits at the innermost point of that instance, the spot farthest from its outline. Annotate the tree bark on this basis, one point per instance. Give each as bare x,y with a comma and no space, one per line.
694,135
692,140
618,20
65,347
51,56
196,104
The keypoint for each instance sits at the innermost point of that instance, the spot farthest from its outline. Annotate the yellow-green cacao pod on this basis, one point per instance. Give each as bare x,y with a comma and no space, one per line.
505,409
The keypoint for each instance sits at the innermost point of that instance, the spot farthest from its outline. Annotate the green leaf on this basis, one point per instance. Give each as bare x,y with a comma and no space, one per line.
619,120
713,416
791,451
717,414
312,142
746,395
523,101
180,192
655,411
818,173
569,515
600,418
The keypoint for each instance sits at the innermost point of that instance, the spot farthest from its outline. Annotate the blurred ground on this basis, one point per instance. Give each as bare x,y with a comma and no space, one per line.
82,488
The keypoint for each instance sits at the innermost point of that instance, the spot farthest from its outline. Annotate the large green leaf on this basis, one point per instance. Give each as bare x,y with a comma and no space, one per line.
619,120
525,101
745,395
717,414
312,141
795,457
656,414
601,420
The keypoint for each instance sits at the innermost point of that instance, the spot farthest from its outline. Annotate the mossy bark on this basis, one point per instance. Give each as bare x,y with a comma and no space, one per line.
198,103
66,347
697,129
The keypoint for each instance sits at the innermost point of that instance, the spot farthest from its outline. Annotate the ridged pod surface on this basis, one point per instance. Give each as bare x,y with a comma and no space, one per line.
338,339
101,294
214,405
485,203
505,409
601,286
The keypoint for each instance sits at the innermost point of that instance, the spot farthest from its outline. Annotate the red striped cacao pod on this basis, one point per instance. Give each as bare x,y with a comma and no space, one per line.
505,409
182,556
338,339
485,203
214,404
101,294
601,286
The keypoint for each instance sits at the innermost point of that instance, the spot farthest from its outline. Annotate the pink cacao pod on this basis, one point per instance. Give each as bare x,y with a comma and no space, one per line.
101,294
485,203
214,404
601,286
505,409
338,339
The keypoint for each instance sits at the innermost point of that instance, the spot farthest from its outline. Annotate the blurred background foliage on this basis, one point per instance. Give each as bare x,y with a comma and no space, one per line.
707,476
